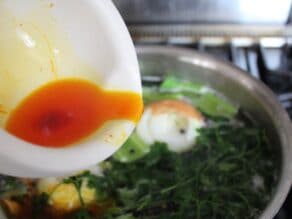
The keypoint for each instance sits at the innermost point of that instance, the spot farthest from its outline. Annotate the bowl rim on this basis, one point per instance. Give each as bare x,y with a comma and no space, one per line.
265,95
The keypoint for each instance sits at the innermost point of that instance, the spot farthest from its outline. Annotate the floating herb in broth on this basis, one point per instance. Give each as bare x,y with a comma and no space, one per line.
229,170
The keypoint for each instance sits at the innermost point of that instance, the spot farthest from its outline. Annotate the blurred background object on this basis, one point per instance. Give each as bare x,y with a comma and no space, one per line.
204,11
255,35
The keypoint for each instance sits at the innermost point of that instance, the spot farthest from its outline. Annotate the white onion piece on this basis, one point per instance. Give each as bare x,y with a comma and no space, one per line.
173,122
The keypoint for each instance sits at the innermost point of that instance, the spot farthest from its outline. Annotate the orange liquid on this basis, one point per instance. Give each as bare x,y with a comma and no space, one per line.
64,112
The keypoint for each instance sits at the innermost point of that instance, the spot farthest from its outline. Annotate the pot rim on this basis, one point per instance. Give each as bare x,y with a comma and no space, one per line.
264,95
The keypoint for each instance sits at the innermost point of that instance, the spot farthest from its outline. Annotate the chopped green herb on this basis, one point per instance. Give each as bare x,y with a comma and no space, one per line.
39,202
93,181
214,180
82,214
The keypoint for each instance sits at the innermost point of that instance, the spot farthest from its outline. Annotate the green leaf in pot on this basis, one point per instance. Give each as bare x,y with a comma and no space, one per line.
133,149
215,106
151,95
171,84
200,95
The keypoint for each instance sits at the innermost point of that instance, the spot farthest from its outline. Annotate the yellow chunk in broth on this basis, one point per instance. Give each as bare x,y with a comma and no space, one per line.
64,197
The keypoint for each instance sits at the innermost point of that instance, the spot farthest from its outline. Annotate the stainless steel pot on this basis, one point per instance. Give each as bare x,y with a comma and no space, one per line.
252,95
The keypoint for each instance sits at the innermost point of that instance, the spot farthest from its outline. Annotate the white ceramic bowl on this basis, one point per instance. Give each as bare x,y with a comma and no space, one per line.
64,39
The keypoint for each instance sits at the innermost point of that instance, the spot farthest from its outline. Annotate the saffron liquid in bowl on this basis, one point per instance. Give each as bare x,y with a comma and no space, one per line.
54,115
64,112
